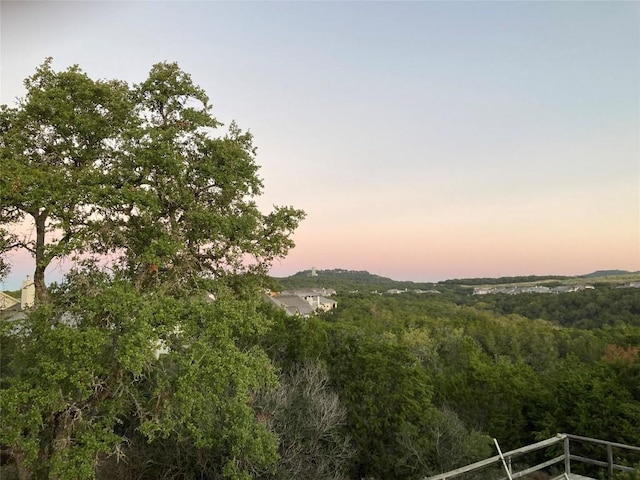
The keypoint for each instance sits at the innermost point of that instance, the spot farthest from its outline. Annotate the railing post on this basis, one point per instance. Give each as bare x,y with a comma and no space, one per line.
609,462
567,456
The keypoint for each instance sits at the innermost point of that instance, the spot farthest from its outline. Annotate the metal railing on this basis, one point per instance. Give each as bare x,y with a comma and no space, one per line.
567,457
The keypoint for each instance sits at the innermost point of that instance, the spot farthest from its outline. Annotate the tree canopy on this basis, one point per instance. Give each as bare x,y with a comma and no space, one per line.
148,348
136,172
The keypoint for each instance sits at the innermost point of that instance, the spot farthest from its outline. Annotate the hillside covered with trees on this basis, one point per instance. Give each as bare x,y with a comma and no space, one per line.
423,374
343,280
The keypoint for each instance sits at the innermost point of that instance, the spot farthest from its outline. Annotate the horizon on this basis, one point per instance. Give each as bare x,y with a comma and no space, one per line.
425,140
617,272
16,283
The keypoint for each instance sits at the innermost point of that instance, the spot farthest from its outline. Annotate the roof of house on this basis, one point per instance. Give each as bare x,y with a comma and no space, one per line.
310,292
7,302
324,300
293,304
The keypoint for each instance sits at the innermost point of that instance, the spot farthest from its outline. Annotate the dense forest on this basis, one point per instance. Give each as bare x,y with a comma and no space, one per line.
413,384
167,362
428,380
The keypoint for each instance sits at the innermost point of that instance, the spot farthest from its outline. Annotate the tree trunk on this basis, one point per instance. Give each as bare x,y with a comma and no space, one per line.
42,295
19,462
57,444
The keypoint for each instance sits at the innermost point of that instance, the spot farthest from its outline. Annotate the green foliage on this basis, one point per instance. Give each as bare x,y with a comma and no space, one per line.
584,309
103,355
55,149
453,444
599,399
294,340
164,368
388,397
101,167
344,281
428,382
5,266
186,205
608,273
153,369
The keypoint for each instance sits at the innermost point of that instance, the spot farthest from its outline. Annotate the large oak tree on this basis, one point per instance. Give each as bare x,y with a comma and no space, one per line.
146,359
56,147
136,172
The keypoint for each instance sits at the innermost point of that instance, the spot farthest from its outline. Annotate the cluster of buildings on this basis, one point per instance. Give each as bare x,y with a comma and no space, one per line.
301,301
530,289
304,301
395,291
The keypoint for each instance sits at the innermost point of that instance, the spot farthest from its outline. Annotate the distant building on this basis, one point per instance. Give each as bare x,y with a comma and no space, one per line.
304,301
322,303
534,289
514,290
28,293
27,297
7,302
394,291
482,291
12,308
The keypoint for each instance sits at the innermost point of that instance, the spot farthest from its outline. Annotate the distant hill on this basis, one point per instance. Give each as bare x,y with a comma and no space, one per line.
608,273
348,280
506,280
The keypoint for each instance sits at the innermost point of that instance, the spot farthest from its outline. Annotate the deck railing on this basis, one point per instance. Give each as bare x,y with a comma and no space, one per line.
567,457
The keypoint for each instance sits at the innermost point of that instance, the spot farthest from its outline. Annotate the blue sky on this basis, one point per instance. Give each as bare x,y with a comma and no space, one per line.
425,140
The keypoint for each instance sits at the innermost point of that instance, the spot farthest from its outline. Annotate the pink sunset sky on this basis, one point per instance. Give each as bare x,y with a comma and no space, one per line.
425,140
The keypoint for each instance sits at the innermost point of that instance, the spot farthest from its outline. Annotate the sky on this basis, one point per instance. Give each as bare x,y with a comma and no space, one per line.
425,140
